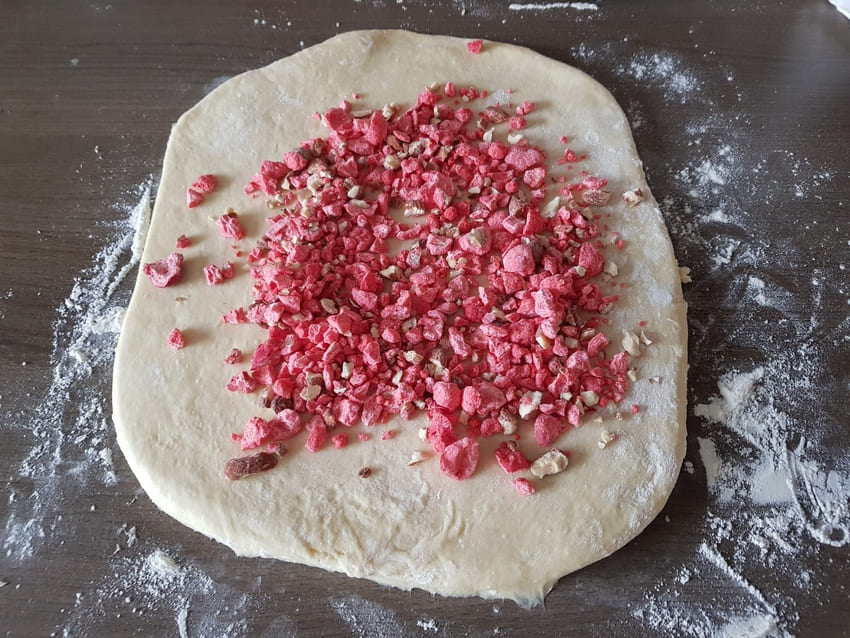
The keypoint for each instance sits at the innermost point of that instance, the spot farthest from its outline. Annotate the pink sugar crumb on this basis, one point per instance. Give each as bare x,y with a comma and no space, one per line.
205,183
460,459
165,272
176,339
523,486
230,227
194,198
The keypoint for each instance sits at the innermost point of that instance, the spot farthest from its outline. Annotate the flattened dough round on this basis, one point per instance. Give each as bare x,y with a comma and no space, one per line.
404,526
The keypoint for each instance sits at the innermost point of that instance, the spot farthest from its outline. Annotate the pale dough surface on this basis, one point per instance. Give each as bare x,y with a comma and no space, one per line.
405,526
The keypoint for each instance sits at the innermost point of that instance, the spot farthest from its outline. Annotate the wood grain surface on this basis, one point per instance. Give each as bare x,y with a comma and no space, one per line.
88,92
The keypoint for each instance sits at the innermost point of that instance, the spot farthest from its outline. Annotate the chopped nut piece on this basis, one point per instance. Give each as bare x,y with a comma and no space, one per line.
589,398
392,272
594,197
685,275
529,403
416,457
550,208
391,162
632,374
553,462
241,467
411,356
611,268
347,370
476,237
310,392
646,340
543,341
414,208
633,197
508,421
328,305
631,343
606,438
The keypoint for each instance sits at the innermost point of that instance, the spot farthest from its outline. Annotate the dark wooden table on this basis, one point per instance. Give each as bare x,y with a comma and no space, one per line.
741,116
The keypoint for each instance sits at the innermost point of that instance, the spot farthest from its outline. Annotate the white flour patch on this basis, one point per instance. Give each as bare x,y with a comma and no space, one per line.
550,6
428,625
216,82
182,622
366,619
773,470
70,430
665,71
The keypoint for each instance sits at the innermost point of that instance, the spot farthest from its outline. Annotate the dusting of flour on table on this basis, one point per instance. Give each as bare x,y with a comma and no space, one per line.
69,425
777,478
550,6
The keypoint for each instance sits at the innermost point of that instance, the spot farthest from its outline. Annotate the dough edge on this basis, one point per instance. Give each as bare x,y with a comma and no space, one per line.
149,451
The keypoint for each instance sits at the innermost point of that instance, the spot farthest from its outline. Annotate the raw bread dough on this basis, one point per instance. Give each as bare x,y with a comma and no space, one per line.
405,526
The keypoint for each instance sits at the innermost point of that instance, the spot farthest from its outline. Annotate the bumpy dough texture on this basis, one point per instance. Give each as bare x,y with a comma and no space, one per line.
404,526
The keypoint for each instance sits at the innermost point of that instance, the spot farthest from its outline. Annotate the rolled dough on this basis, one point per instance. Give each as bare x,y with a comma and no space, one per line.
406,526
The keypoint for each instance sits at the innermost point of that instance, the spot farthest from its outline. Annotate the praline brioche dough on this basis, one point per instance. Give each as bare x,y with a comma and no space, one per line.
405,526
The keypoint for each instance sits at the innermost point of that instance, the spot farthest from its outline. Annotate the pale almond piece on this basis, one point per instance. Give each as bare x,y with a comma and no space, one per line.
550,208
388,110
553,462
593,197
476,237
633,197
606,438
310,392
411,356
508,421
413,208
416,457
589,398
529,403
392,272
543,341
631,344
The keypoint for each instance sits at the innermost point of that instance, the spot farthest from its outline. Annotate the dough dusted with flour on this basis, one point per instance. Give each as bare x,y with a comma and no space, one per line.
405,526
